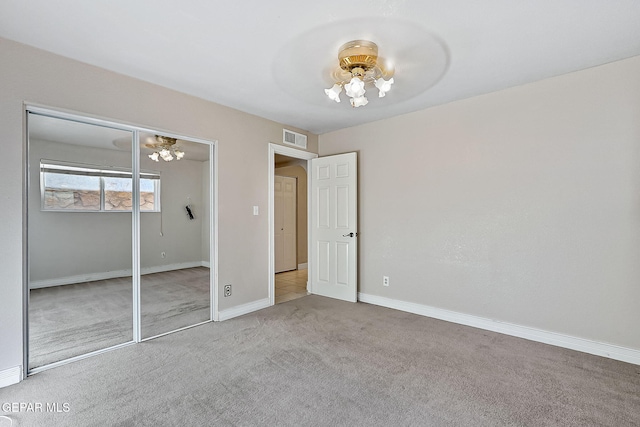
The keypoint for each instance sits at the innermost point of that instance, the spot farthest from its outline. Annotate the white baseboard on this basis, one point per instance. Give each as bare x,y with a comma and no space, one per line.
553,338
171,267
240,310
10,376
91,277
303,266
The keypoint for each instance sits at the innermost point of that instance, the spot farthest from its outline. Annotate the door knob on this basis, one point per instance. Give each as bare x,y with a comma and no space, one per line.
350,235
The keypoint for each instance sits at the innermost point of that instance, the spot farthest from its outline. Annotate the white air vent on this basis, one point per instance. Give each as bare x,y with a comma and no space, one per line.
294,138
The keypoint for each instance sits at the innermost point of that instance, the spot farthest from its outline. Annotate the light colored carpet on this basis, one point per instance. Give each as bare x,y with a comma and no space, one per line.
70,320
173,300
320,362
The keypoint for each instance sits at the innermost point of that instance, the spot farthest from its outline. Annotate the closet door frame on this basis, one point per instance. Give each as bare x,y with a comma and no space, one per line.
135,167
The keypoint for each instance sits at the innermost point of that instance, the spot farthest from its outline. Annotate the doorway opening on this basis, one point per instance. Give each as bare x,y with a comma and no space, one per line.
288,223
332,223
290,228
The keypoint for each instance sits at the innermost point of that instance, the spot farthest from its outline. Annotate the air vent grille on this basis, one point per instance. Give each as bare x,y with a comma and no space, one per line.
294,138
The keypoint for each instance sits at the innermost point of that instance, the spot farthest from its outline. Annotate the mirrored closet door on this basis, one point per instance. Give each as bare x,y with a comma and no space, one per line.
175,237
79,239
102,270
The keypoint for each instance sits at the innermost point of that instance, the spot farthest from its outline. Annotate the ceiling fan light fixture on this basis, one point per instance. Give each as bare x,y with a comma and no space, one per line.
360,66
165,149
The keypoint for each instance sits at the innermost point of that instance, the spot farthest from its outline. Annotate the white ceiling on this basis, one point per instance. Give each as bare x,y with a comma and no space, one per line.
272,58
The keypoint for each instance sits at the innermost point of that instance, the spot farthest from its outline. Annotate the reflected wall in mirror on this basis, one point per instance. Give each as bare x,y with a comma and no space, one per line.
79,239
175,279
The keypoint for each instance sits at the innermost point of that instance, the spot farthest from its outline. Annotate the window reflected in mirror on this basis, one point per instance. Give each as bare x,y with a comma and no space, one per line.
80,255
82,225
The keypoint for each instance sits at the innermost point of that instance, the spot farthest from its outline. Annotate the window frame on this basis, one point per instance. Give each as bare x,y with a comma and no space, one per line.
102,172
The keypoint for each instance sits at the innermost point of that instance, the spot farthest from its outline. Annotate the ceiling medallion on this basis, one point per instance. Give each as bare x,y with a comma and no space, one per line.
360,66
165,149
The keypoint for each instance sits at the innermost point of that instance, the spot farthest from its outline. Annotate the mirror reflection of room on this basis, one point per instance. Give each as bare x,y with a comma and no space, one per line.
81,233
174,243
79,239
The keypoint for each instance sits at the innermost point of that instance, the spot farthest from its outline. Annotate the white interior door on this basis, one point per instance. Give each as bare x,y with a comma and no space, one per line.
285,213
334,228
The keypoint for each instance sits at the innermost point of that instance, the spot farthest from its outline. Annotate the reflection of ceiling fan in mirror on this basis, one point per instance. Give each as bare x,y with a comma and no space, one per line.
155,143
164,148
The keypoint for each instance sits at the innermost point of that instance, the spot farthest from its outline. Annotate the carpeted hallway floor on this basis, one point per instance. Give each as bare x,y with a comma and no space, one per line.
321,362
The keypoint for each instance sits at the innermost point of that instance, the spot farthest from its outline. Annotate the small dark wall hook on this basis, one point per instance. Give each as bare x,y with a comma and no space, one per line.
189,212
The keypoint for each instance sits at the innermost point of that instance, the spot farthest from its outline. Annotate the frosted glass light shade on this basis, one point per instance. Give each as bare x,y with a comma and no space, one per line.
334,92
383,86
359,101
355,88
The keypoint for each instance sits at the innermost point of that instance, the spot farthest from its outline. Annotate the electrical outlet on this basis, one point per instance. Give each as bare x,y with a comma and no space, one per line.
227,290
385,280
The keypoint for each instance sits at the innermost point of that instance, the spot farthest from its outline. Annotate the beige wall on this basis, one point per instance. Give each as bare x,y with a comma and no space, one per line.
521,206
34,76
301,228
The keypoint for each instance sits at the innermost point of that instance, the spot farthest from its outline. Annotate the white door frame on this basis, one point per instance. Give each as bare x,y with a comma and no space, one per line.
296,154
